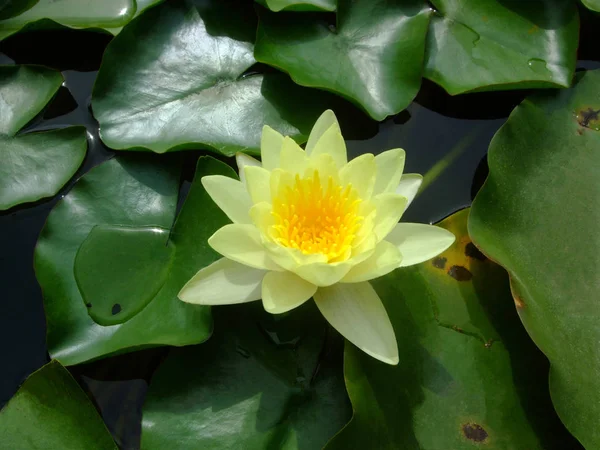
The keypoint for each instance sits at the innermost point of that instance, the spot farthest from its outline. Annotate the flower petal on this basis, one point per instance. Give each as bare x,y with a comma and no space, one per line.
271,143
258,184
224,282
242,160
389,208
323,123
242,243
323,273
332,143
361,172
386,258
262,217
409,186
291,258
230,195
390,165
356,311
419,242
293,158
282,291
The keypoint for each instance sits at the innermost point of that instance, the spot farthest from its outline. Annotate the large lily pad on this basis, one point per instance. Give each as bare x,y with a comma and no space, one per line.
299,5
537,215
261,382
502,44
468,377
10,8
109,267
51,412
33,165
174,79
594,5
74,14
373,56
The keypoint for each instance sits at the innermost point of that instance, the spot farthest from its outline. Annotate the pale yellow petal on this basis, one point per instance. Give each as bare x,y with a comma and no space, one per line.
224,282
258,183
271,143
293,158
390,165
262,217
332,143
409,186
384,259
230,195
356,311
291,258
389,208
326,167
361,173
242,160
322,273
283,291
323,123
419,242
242,243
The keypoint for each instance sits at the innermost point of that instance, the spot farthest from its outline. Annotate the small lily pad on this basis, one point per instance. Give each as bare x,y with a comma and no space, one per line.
299,5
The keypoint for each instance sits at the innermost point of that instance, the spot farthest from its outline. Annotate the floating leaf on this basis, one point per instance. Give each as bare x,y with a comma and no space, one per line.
142,5
299,5
103,292
33,165
10,8
260,382
477,45
51,412
594,5
74,14
373,57
537,215
174,79
468,374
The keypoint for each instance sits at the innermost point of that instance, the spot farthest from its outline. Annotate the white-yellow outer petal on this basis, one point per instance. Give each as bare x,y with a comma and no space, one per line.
271,143
258,184
293,158
409,186
386,258
361,172
230,195
323,123
389,208
390,165
283,291
242,243
356,311
322,273
224,282
242,160
332,143
419,242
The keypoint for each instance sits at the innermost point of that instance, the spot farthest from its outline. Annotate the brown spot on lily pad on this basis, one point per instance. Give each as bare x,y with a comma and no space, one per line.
116,309
473,252
519,303
474,432
460,273
439,262
589,118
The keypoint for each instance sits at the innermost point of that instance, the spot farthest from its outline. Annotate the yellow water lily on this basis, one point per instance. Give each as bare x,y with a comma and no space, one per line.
308,223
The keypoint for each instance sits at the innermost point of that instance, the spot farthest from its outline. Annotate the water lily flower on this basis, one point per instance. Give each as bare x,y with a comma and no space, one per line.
308,223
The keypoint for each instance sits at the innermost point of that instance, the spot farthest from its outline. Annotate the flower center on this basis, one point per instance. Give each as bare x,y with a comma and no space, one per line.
315,218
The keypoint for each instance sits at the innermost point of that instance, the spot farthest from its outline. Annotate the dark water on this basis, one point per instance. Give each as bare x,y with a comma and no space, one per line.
447,134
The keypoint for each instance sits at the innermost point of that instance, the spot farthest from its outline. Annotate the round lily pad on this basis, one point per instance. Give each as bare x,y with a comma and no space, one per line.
299,5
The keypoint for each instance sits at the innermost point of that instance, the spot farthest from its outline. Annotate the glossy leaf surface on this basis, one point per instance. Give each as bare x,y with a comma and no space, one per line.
33,165
260,382
51,412
476,45
594,5
468,375
122,198
537,215
174,79
10,8
299,5
373,57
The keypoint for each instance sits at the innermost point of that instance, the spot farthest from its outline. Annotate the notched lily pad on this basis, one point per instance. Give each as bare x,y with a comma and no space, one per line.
135,265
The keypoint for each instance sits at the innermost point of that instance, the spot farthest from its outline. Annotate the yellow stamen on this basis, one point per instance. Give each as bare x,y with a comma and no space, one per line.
316,219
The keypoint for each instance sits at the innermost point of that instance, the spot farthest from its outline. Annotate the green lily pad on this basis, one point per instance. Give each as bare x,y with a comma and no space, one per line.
73,14
594,5
373,57
299,5
33,165
537,215
468,377
142,5
260,382
481,45
175,79
51,412
10,8
94,240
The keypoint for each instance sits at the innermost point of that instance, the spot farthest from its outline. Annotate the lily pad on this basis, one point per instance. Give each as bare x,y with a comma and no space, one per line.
261,382
33,165
175,79
73,14
374,56
10,8
481,45
299,5
468,376
51,412
142,5
537,215
594,5
99,236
